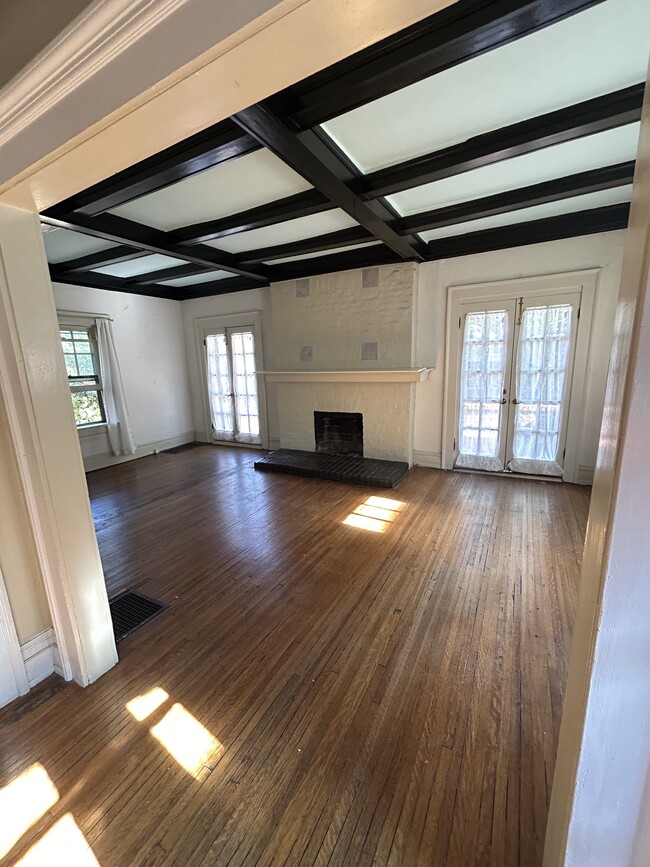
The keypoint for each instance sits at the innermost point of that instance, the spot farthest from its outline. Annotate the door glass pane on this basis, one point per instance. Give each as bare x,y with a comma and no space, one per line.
542,367
246,405
481,390
221,408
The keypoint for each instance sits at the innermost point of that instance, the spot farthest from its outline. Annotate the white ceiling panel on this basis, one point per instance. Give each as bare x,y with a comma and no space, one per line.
320,253
62,245
605,148
239,184
285,233
538,212
133,267
594,52
199,278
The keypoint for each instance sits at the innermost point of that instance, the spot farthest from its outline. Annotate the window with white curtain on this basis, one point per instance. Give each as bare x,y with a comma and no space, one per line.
541,377
483,369
80,351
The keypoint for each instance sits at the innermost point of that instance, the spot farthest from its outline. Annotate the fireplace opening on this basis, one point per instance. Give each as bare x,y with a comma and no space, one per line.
339,433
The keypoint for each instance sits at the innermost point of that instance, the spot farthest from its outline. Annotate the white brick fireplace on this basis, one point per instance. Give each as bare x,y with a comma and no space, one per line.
344,343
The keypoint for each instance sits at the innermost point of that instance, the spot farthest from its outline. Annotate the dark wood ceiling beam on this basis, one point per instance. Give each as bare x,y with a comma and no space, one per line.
165,274
462,31
555,190
290,208
113,284
572,225
218,287
348,261
271,132
111,256
330,241
576,121
218,144
121,231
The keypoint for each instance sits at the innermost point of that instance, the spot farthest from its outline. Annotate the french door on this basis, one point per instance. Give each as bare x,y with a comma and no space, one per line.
516,364
232,385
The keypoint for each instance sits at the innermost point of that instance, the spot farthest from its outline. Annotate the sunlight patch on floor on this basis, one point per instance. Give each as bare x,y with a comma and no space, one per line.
143,706
22,802
63,845
374,514
190,743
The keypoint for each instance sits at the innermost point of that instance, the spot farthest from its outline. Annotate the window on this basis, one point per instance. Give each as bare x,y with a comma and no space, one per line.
81,361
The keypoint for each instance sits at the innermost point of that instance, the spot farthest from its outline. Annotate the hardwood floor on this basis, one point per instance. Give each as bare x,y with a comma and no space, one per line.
378,698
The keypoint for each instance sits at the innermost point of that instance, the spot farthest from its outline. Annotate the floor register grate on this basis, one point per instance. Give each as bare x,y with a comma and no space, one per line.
130,610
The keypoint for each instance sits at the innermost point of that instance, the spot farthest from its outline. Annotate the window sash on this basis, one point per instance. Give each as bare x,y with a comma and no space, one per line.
88,382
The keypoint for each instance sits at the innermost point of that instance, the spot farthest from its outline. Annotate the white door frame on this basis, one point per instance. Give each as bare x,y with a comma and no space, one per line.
209,324
9,639
584,281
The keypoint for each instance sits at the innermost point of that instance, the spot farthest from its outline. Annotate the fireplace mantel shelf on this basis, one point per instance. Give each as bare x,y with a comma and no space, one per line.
409,375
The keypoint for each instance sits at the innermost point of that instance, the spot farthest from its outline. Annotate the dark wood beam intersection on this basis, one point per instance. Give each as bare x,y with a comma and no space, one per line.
259,122
122,231
566,124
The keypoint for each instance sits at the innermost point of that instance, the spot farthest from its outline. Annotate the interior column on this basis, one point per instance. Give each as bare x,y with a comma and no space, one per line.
34,383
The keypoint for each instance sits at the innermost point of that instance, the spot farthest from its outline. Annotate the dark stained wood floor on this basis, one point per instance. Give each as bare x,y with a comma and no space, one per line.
381,699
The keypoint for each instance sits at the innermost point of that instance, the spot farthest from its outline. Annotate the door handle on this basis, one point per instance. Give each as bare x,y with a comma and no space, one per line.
515,401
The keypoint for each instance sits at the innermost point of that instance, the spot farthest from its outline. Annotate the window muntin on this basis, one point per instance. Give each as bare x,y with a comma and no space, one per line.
82,363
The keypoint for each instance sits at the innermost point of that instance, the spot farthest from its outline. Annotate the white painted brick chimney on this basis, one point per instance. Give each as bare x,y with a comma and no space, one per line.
351,321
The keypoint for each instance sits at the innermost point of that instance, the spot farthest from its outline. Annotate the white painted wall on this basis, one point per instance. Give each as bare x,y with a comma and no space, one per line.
151,349
604,251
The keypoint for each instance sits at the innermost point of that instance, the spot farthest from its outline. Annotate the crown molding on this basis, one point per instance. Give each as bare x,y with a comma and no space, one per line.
97,36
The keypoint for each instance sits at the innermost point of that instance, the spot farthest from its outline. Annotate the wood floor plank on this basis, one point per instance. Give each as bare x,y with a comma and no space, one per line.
380,698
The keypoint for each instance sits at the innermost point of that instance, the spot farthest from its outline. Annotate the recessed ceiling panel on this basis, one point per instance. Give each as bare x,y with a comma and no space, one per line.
209,277
285,233
236,185
595,151
133,267
538,212
320,253
62,245
594,52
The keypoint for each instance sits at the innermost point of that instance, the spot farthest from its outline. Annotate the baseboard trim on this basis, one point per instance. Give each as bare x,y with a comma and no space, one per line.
274,443
107,459
41,657
427,459
585,474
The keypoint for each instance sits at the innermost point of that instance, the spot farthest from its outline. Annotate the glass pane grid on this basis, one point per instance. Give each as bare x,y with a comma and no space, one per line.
543,357
83,376
246,403
482,377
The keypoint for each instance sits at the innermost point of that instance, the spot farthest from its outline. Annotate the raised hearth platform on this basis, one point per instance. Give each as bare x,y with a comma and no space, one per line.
335,468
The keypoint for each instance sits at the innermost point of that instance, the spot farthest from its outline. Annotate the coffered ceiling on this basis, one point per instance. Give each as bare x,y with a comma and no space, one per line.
486,126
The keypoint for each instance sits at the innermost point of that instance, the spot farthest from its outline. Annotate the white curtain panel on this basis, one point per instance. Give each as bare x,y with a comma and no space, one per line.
117,415
542,361
219,387
481,390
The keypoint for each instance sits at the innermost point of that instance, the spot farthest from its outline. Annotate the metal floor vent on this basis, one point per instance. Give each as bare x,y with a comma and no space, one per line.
130,610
